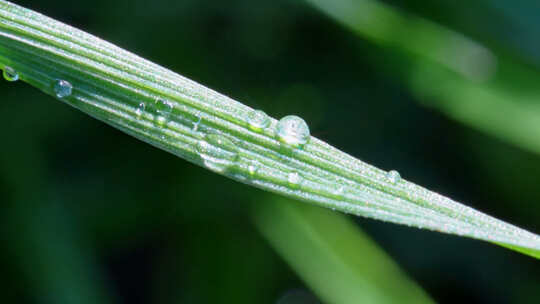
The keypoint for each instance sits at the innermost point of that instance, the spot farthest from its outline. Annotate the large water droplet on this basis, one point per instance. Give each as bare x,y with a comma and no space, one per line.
62,88
258,120
140,109
10,74
393,176
293,131
294,179
218,152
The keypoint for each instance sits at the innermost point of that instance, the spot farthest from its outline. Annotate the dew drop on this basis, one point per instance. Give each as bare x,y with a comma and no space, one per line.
62,88
196,124
393,176
10,74
140,109
160,120
258,120
163,110
164,107
293,131
253,168
218,152
339,191
294,179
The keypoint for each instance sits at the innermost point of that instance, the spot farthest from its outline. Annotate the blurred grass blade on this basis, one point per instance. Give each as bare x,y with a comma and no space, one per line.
43,240
328,251
47,248
202,126
450,72
49,252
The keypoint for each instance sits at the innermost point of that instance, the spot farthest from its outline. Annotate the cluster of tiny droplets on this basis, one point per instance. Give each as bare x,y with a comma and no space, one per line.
10,74
62,88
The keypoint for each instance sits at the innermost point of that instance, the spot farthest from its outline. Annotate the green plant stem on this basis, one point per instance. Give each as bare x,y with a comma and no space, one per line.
181,116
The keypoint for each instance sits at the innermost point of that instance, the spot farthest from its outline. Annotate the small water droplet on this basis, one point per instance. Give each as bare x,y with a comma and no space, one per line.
62,88
10,74
339,191
293,131
164,106
163,110
294,179
196,124
253,168
160,120
218,152
140,109
258,120
393,176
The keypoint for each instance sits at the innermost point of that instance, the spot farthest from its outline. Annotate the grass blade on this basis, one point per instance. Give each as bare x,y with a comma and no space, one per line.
450,72
202,126
330,253
66,272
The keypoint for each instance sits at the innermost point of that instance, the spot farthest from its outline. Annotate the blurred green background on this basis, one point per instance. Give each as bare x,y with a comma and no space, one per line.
91,215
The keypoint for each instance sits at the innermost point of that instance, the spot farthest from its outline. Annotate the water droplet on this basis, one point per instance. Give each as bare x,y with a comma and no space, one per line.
163,110
62,88
196,124
253,168
339,191
258,120
10,74
218,152
140,109
160,120
393,176
294,179
164,107
293,131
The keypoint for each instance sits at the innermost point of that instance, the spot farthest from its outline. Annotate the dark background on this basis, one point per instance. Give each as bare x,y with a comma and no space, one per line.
142,226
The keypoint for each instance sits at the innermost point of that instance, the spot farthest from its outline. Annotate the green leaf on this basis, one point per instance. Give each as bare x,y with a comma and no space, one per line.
202,126
339,262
